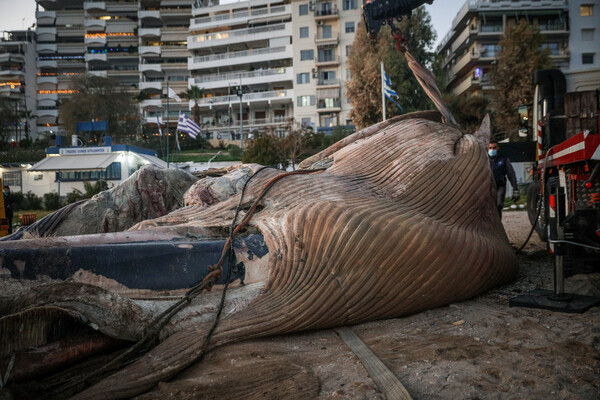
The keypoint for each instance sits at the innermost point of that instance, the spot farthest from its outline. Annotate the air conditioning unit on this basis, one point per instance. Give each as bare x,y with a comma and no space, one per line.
320,23
315,76
315,70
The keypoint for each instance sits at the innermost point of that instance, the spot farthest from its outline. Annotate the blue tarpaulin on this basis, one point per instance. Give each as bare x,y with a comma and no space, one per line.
92,126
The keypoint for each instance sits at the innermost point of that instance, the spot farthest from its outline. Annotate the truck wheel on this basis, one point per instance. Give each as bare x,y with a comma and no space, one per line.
533,199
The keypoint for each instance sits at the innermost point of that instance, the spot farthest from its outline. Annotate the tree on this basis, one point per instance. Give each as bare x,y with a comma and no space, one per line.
265,150
99,98
521,55
364,87
468,111
7,120
194,93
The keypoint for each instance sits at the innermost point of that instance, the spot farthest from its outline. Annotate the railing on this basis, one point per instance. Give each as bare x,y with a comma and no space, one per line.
237,33
253,122
333,37
322,82
234,75
328,59
327,12
491,28
236,54
239,14
246,97
329,103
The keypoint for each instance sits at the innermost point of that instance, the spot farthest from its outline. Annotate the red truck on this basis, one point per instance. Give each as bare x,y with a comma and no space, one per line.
563,202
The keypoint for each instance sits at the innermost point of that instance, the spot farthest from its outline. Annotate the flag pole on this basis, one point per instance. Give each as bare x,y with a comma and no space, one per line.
383,92
167,121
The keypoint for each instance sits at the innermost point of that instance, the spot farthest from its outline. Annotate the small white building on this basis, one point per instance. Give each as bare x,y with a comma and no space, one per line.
67,168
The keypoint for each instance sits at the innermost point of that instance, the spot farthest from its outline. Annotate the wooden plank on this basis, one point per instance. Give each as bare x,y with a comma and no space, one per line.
385,379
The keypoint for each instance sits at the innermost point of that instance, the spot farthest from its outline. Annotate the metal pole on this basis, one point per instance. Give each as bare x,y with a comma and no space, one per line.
382,92
241,94
167,121
229,111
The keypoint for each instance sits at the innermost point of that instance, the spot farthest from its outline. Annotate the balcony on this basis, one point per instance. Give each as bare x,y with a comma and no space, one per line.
149,32
327,61
239,36
102,74
41,80
47,64
47,113
95,25
225,127
237,17
149,14
151,68
175,12
47,97
149,50
45,17
215,7
328,82
151,103
46,34
277,96
151,86
240,57
97,57
321,40
94,6
95,39
248,78
326,14
12,58
329,105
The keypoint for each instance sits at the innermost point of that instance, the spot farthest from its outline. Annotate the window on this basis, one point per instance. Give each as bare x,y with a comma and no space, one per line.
303,78
350,4
553,48
327,78
307,55
326,55
587,35
327,32
587,58
348,49
304,32
304,101
350,27
306,122
303,9
587,10
12,178
113,172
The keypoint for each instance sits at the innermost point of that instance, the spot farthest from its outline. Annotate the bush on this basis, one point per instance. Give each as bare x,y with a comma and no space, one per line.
234,150
32,201
52,201
74,195
18,199
91,189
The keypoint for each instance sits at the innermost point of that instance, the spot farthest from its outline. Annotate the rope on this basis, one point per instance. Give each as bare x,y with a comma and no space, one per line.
159,322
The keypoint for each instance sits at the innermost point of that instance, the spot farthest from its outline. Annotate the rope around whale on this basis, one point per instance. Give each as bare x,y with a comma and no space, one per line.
151,332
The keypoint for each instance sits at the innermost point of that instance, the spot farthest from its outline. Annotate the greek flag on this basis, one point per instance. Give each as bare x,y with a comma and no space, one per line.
158,122
186,124
386,84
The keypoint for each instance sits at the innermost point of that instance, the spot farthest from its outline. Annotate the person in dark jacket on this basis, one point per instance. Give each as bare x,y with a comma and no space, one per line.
8,207
502,169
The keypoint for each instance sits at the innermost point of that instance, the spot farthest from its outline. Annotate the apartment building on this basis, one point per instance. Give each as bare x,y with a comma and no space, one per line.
18,80
584,44
61,55
247,44
163,31
471,47
323,31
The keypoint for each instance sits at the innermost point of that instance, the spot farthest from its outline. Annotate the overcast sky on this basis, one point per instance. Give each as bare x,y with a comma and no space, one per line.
12,13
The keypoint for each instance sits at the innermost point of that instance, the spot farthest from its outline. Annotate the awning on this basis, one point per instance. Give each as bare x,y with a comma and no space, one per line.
154,160
84,162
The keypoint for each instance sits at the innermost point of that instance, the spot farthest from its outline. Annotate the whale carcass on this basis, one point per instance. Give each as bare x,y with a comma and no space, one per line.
396,219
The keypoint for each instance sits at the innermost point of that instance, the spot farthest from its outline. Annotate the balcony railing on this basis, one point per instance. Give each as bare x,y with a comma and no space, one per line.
328,59
237,33
233,76
328,103
246,97
236,54
324,82
327,12
238,14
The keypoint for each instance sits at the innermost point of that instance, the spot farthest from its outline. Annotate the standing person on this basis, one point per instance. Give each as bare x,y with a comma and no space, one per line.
8,207
502,169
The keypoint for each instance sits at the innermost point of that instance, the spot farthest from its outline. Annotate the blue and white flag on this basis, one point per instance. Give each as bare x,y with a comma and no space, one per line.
386,84
186,124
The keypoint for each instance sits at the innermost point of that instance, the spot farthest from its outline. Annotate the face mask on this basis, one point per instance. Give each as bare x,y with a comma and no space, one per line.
493,153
